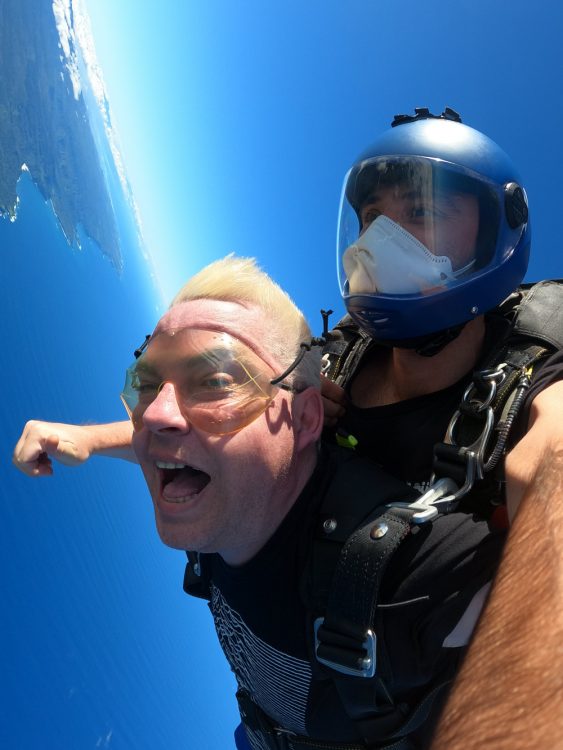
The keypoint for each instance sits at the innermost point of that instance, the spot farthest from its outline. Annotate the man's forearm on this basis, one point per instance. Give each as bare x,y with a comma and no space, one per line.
509,692
112,440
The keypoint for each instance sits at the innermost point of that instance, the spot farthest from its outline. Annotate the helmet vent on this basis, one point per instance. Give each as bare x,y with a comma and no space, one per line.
515,205
423,113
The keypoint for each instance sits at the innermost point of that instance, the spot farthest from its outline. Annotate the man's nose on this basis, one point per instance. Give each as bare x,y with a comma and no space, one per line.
164,413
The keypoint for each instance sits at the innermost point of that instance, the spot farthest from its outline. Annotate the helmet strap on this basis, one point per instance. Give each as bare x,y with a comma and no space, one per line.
433,344
426,346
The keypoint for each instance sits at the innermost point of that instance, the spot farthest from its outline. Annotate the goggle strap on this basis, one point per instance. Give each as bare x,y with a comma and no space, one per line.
305,347
137,353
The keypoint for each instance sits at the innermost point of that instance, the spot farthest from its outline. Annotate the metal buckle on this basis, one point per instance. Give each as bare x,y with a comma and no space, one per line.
477,448
444,494
474,454
368,662
437,498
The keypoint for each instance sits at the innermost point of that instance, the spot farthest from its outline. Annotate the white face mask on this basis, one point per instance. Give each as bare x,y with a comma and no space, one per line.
388,259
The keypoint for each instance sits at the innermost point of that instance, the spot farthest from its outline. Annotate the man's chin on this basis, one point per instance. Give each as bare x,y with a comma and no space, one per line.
176,537
174,540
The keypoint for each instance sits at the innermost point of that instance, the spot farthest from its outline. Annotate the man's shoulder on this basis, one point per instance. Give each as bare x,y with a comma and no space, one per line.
535,310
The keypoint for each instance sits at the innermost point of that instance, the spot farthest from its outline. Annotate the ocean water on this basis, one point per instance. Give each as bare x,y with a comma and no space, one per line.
99,646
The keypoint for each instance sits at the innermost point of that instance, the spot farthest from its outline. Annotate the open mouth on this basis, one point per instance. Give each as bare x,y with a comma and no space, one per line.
180,482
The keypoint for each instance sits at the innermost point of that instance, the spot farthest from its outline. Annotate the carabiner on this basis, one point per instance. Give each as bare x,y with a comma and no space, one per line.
437,498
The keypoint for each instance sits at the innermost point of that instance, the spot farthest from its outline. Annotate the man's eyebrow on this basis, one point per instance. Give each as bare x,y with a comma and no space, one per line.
449,197
144,368
371,198
211,356
201,359
377,197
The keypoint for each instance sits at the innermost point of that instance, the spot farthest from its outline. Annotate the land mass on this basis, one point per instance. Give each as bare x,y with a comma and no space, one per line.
43,126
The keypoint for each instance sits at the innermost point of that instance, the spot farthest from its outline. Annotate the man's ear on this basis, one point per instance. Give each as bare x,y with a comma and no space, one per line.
308,417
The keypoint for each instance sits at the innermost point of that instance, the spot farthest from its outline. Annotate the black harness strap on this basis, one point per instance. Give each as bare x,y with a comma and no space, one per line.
343,351
351,606
349,642
540,313
356,536
485,429
354,492
535,317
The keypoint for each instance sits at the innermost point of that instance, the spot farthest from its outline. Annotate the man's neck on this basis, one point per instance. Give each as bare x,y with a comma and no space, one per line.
394,375
275,507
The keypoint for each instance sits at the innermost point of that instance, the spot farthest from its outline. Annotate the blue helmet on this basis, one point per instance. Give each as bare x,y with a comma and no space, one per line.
433,229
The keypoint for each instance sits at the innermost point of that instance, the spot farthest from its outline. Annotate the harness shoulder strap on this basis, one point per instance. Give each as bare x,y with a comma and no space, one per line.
533,317
540,313
345,347
479,431
356,491
355,540
355,537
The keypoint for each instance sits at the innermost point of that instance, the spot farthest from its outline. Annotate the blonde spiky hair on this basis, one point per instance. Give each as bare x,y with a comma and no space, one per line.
236,279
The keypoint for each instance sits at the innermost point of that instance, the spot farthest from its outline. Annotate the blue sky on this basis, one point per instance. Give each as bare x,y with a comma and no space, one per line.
237,121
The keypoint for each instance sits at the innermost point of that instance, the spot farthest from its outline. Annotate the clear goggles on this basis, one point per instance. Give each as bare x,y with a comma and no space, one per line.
220,384
415,225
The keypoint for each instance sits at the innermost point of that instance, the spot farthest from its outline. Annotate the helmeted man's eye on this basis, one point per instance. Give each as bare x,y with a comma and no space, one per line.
421,212
368,216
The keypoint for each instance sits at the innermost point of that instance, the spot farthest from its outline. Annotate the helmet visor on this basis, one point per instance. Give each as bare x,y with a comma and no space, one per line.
415,226
220,384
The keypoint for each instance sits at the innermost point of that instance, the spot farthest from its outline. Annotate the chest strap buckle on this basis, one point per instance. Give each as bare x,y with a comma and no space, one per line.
343,653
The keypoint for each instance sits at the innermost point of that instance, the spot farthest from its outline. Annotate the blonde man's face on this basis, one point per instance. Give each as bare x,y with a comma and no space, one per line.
213,493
